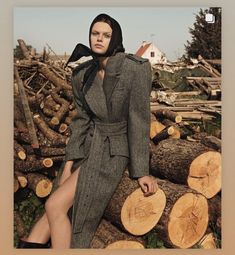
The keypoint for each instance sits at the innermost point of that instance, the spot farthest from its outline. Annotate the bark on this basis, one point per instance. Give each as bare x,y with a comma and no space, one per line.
48,132
58,82
107,234
164,113
27,112
40,184
188,163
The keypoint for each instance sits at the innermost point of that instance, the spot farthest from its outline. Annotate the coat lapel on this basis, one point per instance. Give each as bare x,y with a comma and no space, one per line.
112,74
99,95
95,98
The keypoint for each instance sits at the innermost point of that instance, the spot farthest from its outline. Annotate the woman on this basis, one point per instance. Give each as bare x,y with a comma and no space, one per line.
111,131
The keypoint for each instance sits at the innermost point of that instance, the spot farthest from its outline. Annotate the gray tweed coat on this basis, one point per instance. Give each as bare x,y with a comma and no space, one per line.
117,136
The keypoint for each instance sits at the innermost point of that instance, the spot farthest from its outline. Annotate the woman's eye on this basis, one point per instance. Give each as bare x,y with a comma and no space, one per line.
107,36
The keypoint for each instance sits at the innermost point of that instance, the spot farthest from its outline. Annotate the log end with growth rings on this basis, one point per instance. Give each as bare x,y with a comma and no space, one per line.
43,188
123,244
188,220
205,174
140,214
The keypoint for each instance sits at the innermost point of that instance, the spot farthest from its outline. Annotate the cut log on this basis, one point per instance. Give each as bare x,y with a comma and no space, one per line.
54,151
140,214
22,179
164,134
58,82
165,113
48,132
189,163
63,128
183,221
49,103
107,234
19,150
185,218
32,164
125,245
40,184
177,131
64,108
48,112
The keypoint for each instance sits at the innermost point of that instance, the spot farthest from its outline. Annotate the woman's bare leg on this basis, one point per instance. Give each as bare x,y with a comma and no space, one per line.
57,207
40,232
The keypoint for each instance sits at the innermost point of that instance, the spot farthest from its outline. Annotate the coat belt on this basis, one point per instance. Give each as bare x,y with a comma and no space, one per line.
87,180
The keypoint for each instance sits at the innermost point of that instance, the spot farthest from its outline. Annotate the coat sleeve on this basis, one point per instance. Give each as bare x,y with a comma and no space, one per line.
139,121
79,125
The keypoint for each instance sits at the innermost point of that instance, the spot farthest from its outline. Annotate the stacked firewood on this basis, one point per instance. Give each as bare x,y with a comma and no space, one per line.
43,110
185,162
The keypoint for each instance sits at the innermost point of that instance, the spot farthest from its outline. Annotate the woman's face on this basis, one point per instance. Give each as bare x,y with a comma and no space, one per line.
101,34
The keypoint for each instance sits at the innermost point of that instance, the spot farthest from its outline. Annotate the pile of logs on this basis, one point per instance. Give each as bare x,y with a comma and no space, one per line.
185,162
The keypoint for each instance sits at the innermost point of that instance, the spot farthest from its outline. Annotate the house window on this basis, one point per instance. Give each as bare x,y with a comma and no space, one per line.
152,54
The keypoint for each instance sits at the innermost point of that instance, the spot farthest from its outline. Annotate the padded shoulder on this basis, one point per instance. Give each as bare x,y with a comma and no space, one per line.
137,59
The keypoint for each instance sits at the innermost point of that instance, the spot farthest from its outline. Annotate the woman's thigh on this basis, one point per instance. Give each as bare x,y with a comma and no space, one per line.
63,197
66,172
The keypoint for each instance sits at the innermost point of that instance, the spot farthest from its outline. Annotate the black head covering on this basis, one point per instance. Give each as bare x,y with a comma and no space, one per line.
82,50
115,44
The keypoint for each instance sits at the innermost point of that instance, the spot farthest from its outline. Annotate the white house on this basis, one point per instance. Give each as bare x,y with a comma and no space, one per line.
150,51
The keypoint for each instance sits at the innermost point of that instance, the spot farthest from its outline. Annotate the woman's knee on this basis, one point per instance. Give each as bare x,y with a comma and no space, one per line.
53,207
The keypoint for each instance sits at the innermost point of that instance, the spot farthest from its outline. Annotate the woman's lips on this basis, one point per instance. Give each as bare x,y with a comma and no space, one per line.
99,46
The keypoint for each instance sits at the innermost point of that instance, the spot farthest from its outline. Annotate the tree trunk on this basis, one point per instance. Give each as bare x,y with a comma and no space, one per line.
189,163
178,213
185,217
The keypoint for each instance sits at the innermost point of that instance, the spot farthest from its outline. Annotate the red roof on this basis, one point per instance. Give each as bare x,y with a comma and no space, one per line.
142,49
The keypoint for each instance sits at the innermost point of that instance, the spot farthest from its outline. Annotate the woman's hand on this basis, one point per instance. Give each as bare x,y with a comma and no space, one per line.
148,184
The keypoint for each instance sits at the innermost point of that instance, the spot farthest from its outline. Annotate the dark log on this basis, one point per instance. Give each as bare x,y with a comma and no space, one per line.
165,113
212,142
164,134
48,132
24,49
22,179
50,103
107,233
27,112
58,82
19,150
32,164
40,184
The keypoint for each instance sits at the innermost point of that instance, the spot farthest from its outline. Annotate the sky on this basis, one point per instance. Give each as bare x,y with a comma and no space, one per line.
63,27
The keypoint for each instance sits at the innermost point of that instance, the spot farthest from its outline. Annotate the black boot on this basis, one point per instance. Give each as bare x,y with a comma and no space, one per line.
29,245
